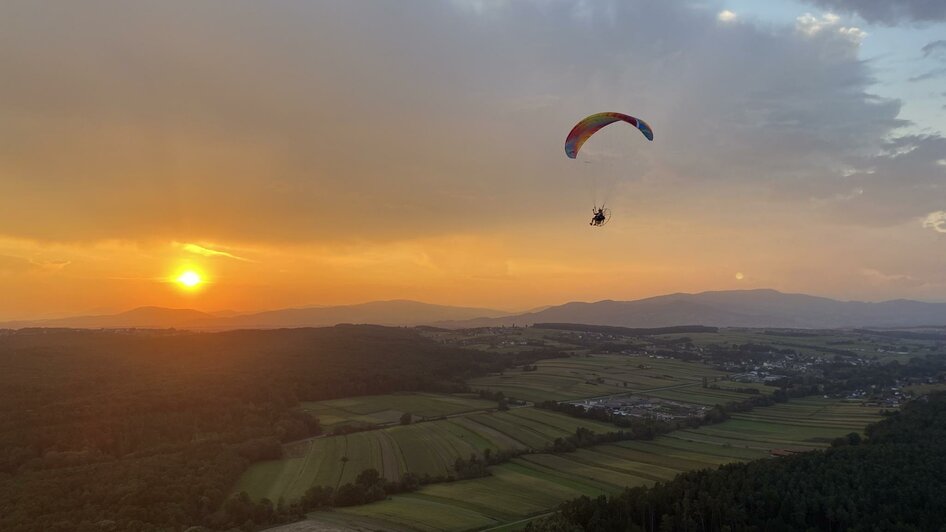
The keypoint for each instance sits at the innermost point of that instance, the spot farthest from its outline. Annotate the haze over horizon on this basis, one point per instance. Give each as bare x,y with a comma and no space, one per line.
513,310
298,154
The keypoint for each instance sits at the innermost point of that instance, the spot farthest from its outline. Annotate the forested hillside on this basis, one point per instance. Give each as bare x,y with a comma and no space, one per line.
149,430
893,480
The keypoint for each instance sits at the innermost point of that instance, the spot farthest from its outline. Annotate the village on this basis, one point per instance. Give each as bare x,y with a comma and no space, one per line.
635,406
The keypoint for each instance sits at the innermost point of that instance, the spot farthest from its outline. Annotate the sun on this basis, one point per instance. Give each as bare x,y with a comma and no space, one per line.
189,279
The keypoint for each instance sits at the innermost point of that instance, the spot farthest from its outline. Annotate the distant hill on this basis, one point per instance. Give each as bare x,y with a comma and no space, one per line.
394,313
397,312
627,331
734,308
142,317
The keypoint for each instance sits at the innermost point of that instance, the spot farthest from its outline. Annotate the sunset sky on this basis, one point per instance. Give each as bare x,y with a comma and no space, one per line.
313,153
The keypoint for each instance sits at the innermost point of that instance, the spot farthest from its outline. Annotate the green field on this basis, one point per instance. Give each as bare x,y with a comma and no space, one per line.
596,375
821,343
696,394
533,484
388,409
428,448
921,389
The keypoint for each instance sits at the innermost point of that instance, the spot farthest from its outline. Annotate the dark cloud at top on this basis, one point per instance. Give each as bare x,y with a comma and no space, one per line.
889,12
291,121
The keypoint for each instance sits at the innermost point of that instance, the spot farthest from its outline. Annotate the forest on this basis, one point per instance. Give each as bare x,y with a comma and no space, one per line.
894,479
148,430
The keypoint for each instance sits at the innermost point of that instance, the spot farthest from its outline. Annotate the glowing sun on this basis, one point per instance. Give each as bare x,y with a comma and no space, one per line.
189,279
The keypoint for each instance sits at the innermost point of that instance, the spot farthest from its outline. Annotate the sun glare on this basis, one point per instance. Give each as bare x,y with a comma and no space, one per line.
189,279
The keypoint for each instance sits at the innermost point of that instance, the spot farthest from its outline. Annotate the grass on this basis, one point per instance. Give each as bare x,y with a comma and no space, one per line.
922,389
388,409
596,375
532,484
867,345
428,448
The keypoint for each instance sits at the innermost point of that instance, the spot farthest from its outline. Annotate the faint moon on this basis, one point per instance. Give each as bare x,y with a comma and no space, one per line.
739,276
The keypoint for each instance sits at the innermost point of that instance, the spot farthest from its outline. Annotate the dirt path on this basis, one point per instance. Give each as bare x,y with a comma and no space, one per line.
390,464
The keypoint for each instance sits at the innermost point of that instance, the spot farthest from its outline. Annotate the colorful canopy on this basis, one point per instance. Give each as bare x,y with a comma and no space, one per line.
589,126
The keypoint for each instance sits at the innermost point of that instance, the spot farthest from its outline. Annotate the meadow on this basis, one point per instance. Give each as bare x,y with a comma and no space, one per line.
597,375
388,409
530,485
428,448
821,343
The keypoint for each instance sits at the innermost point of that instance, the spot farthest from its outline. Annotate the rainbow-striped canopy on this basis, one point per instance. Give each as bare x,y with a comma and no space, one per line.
590,125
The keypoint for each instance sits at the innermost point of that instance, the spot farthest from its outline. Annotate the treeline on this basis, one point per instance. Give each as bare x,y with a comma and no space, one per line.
628,331
369,486
904,335
716,414
839,377
149,430
893,480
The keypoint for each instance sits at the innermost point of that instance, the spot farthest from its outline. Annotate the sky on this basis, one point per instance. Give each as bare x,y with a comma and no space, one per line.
330,152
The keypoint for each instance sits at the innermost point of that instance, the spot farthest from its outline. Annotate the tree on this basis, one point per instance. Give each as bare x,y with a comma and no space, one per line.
406,418
368,477
350,495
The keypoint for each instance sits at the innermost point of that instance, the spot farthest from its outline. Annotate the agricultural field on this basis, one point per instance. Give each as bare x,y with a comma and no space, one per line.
519,339
822,343
388,409
428,448
922,389
804,424
533,484
596,375
698,395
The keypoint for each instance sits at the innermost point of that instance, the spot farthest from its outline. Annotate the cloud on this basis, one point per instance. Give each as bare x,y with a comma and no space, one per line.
932,74
889,12
896,280
935,47
436,121
936,221
209,252
10,264
891,185
811,25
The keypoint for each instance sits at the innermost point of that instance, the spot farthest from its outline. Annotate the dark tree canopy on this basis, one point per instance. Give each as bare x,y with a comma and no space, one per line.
149,430
893,480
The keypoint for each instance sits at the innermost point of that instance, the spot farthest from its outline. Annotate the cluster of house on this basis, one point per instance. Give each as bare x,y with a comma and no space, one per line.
643,407
756,376
890,397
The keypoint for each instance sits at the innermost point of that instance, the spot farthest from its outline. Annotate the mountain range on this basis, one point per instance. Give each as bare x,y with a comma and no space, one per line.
394,313
734,308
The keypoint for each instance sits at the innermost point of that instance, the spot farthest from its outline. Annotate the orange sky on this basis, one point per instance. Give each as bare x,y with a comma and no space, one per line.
303,154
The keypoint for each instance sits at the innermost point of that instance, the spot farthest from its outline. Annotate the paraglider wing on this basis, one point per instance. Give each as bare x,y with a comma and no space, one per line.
589,126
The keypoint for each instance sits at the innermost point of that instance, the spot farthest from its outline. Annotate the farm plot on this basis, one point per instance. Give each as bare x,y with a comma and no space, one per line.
534,484
801,424
595,375
388,409
428,448
696,394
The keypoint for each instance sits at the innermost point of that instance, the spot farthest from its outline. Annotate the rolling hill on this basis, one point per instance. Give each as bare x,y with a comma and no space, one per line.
394,313
735,308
